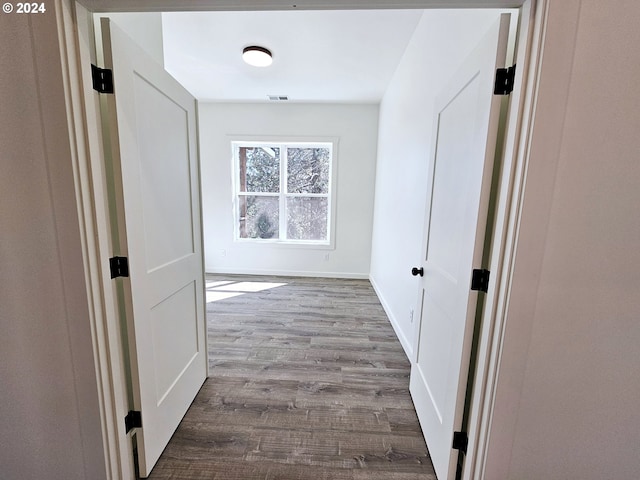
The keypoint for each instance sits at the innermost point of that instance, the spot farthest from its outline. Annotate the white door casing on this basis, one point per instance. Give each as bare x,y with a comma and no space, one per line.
152,124
461,166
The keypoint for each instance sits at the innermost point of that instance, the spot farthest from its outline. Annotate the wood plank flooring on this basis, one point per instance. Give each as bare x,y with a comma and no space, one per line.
307,382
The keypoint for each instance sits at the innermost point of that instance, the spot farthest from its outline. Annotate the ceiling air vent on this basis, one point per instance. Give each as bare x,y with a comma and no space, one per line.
278,98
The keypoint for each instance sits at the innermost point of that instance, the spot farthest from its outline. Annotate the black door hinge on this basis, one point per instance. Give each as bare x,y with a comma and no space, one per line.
480,280
133,420
119,267
102,79
460,441
504,80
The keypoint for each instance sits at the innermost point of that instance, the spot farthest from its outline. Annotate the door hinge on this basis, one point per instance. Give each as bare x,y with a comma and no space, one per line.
504,80
133,420
102,79
460,441
119,267
480,280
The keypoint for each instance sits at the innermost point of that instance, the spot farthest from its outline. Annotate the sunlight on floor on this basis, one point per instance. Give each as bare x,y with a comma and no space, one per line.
224,289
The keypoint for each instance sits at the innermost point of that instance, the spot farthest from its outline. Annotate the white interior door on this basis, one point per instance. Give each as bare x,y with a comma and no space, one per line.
465,132
153,141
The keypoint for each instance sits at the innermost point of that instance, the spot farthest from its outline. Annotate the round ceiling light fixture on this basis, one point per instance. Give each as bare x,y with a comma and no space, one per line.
257,56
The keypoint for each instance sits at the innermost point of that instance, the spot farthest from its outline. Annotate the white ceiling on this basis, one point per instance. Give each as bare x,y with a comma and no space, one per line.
318,56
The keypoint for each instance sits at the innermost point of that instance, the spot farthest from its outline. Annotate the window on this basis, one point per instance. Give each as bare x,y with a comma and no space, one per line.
283,191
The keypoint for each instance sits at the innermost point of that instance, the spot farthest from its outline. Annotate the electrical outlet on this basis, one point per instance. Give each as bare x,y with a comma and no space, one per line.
326,257
411,315
223,253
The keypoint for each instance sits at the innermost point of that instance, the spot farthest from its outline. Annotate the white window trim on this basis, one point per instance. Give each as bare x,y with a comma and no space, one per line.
288,141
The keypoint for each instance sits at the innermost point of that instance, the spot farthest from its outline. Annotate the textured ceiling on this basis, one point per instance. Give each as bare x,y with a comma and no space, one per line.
318,56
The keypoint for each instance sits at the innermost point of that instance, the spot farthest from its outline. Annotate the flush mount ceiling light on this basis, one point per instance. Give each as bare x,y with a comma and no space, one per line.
257,56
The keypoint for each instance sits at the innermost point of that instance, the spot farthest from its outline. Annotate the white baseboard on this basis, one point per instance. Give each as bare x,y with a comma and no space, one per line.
404,341
287,273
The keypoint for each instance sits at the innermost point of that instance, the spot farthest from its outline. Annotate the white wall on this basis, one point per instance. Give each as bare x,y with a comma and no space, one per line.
144,28
49,417
441,41
567,397
356,128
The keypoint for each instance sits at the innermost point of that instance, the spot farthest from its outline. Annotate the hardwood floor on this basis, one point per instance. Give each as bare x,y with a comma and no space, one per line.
307,382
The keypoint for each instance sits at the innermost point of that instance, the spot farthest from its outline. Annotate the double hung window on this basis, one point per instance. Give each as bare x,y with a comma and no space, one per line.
283,191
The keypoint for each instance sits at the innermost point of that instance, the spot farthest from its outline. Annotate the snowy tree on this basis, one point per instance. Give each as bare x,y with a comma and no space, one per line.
305,186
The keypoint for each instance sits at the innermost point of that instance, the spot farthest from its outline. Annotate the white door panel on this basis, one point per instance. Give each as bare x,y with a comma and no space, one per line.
164,176
170,334
465,132
153,140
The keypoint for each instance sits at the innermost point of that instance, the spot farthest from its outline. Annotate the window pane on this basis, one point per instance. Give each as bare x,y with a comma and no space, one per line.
308,170
258,216
307,218
259,169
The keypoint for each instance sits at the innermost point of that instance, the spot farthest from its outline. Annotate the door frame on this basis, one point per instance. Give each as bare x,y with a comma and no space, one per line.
75,29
